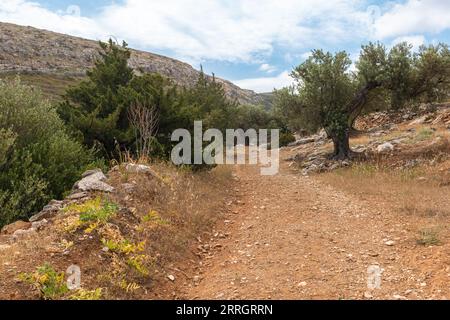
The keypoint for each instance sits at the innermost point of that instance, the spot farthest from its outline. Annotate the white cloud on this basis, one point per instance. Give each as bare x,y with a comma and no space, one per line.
227,30
266,84
265,67
415,41
412,17
32,14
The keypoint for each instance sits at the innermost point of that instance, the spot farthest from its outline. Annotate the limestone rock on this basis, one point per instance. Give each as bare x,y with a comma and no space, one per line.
13,227
137,168
23,234
385,147
93,180
49,211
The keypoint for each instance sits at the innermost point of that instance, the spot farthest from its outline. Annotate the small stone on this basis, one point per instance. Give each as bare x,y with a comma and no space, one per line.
302,284
390,243
368,295
171,277
77,196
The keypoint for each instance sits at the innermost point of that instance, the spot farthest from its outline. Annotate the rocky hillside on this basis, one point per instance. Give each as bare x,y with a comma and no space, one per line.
34,51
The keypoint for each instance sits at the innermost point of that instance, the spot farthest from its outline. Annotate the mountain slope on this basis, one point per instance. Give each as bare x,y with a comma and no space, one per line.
34,51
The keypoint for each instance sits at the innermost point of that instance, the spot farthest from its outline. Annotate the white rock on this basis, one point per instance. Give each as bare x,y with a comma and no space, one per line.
39,224
385,147
94,182
137,168
390,243
171,277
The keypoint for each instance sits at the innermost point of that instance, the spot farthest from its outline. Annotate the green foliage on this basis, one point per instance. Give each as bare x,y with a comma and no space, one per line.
125,246
91,295
428,237
423,134
432,73
138,263
325,89
328,95
39,161
288,107
97,108
154,217
7,138
92,213
49,282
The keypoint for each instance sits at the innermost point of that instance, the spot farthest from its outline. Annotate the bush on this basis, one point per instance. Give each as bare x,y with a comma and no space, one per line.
39,161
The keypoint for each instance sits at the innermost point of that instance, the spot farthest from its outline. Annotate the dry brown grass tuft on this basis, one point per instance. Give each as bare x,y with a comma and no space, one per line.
420,194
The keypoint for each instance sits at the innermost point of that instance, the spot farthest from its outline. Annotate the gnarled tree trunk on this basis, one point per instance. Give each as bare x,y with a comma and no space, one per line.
341,144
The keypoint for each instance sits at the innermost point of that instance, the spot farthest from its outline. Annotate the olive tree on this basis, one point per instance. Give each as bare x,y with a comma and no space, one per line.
329,95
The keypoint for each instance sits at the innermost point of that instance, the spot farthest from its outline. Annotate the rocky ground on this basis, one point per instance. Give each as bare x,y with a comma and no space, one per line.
317,230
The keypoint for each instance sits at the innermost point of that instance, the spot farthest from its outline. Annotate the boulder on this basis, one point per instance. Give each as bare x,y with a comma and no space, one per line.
385,147
23,234
91,172
13,227
38,225
93,180
49,211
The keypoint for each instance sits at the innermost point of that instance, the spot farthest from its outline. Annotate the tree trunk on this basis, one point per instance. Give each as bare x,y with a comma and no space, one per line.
341,143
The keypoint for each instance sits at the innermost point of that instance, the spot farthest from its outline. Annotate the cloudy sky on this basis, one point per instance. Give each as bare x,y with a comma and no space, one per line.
254,43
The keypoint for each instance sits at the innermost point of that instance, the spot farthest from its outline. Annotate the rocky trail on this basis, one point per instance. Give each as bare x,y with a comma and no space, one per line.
318,229
291,237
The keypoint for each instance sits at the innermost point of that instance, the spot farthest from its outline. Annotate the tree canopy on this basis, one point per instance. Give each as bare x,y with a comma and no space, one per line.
329,95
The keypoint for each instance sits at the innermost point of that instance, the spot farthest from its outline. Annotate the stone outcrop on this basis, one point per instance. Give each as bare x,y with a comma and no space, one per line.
31,50
93,180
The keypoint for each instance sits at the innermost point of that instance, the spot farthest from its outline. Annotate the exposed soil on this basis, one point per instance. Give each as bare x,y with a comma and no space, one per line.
295,237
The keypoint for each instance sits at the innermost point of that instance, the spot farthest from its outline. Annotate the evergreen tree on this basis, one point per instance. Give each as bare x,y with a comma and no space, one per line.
97,108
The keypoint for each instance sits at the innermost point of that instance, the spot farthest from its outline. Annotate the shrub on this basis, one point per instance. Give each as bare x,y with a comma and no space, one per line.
92,214
428,237
49,282
38,159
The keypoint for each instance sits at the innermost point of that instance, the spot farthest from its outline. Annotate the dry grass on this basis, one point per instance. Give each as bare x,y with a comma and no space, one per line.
53,86
154,229
420,194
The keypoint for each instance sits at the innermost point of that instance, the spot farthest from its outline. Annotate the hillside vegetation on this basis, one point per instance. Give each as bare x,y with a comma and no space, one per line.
40,53
86,179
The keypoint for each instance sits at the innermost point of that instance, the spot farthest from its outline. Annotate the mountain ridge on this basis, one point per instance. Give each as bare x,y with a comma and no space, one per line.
25,49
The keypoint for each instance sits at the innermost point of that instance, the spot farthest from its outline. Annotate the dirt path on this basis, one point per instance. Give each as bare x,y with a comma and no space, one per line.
292,238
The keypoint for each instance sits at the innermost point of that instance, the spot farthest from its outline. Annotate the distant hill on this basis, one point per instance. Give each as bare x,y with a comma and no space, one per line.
51,60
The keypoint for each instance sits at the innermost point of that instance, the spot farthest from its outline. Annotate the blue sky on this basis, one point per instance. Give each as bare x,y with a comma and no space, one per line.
254,43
